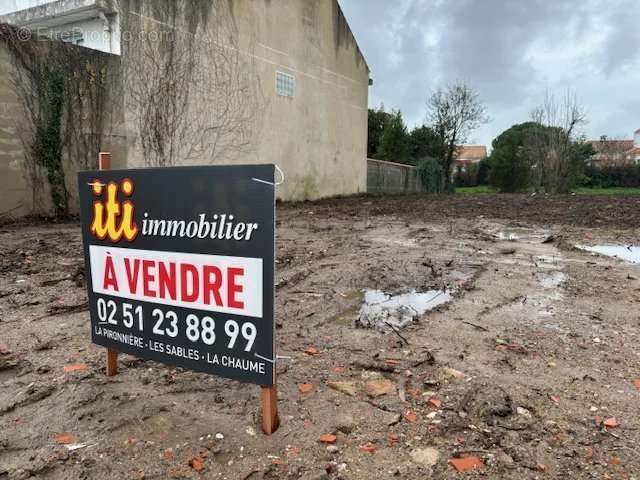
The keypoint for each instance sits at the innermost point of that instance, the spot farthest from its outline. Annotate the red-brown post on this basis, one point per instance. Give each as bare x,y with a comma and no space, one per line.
270,420
104,163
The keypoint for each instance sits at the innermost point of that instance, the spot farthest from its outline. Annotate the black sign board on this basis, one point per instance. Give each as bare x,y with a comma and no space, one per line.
180,266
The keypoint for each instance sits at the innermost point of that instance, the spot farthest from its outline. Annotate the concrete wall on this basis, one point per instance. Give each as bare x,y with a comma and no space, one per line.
392,178
10,6
320,135
317,137
16,195
94,20
94,34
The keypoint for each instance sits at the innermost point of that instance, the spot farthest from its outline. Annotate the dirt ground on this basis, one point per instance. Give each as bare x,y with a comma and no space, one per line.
531,367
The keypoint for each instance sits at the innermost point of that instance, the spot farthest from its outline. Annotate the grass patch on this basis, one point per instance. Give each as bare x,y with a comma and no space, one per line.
579,190
476,190
608,191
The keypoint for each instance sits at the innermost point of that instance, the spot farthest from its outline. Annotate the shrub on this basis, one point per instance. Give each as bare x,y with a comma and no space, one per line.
605,177
467,177
509,170
431,175
484,170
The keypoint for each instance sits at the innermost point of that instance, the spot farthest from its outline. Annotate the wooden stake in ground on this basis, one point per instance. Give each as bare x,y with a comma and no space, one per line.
270,420
104,163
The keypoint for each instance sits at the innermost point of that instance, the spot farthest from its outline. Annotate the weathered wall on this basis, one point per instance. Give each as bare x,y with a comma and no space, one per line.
392,178
317,137
16,195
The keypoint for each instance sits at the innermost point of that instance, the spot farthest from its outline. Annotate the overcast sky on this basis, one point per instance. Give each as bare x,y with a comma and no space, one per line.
510,51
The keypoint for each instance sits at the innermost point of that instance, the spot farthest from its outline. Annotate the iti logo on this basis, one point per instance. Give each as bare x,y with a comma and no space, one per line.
112,218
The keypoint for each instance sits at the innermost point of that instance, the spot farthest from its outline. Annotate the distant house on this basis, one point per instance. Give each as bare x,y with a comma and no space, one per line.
612,153
469,154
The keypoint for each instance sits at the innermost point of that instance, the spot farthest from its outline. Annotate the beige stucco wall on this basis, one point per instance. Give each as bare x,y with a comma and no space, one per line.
318,138
15,197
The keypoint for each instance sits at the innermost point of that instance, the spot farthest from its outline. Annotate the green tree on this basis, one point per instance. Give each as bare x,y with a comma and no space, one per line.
509,162
394,143
378,119
484,170
423,143
430,175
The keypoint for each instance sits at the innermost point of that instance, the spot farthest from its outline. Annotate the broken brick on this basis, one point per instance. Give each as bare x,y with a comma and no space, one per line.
328,438
75,367
368,448
168,454
197,464
589,452
434,402
312,351
305,387
611,422
65,438
465,464
411,416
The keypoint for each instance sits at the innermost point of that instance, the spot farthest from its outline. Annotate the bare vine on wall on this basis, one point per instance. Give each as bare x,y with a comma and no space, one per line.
93,86
62,90
193,94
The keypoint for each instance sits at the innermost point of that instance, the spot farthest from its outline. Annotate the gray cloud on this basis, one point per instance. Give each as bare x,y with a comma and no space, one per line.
511,52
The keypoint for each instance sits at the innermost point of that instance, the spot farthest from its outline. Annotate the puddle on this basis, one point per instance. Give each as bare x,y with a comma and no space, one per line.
509,236
630,253
397,242
381,310
553,280
522,234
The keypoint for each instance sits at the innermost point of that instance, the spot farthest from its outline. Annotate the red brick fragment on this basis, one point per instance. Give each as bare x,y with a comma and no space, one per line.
465,464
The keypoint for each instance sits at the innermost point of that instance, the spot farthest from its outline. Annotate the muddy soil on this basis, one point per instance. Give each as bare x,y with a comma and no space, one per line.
531,367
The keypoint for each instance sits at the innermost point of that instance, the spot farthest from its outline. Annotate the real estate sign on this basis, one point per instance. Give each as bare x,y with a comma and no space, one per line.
180,266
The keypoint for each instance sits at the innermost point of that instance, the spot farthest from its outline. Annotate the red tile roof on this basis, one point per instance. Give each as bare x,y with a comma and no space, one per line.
471,153
611,146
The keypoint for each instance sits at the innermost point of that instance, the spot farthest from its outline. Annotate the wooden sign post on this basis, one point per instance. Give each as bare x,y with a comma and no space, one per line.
104,163
181,269
270,419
